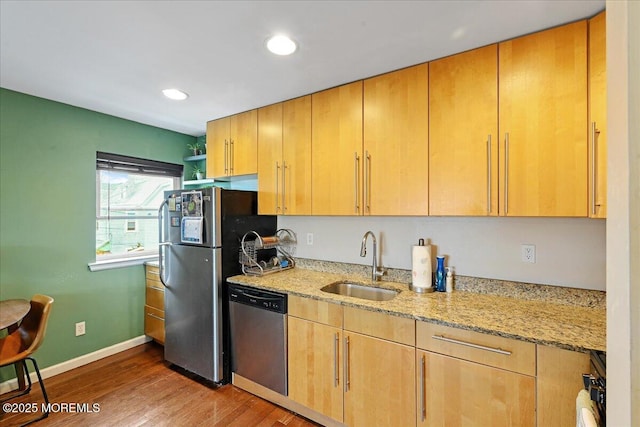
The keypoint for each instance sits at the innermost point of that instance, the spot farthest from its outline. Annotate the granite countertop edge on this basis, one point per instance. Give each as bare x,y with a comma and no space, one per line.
566,326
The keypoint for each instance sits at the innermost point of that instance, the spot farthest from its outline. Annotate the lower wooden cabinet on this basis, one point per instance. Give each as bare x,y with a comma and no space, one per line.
367,368
559,381
380,382
154,305
351,377
454,392
470,378
315,368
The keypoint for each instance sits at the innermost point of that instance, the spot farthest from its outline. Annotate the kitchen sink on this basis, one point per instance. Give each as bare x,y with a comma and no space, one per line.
358,290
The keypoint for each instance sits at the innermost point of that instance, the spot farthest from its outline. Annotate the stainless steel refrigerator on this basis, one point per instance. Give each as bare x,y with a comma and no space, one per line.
200,234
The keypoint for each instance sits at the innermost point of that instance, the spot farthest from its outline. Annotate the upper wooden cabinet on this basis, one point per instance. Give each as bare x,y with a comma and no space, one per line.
232,144
296,156
463,133
284,158
336,132
542,111
217,147
396,146
598,117
270,160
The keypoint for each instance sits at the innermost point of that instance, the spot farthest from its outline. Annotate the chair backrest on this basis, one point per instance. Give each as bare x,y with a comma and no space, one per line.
22,342
34,325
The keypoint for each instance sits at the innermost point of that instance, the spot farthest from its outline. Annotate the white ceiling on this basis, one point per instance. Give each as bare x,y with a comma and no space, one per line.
115,57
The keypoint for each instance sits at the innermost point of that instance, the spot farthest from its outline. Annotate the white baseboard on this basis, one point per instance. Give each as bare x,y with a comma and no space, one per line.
77,362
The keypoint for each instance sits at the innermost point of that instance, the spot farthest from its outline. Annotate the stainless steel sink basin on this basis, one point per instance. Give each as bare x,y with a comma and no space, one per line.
357,290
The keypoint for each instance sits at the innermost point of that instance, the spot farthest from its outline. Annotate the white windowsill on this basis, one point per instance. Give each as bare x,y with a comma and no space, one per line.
121,262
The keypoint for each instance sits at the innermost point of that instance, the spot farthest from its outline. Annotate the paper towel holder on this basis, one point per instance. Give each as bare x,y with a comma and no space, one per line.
421,290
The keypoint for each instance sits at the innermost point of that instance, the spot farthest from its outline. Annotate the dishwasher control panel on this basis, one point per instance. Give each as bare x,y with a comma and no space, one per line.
266,300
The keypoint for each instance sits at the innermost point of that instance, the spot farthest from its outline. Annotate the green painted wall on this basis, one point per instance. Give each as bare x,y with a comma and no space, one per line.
47,219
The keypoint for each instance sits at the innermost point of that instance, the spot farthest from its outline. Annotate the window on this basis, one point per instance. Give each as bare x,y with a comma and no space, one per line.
129,192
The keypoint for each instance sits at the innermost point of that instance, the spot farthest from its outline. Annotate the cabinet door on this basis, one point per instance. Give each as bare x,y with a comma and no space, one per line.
543,106
380,389
454,392
463,128
559,381
218,148
244,143
296,156
396,146
315,371
270,160
598,117
336,134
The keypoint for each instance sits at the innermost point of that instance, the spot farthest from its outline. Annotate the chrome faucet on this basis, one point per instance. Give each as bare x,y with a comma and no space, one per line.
376,272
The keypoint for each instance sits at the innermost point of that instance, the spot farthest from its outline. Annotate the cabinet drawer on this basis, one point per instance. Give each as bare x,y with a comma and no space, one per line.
154,297
380,325
152,272
315,310
154,323
492,350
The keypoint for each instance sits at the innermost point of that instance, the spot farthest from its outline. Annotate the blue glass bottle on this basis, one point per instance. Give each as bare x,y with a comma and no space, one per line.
440,275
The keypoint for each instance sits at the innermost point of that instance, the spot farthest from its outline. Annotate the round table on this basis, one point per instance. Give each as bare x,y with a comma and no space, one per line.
12,311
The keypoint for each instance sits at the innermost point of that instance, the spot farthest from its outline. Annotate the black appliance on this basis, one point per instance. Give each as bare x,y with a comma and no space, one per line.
596,383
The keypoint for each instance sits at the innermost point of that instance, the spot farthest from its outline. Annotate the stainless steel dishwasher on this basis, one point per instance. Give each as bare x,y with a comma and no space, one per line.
258,326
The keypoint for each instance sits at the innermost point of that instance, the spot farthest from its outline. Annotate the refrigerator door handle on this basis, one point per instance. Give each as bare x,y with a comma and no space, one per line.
162,242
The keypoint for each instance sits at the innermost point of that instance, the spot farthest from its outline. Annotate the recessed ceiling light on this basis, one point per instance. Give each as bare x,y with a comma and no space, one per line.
175,94
281,45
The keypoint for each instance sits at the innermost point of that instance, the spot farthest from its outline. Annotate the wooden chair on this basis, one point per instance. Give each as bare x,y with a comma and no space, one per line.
17,347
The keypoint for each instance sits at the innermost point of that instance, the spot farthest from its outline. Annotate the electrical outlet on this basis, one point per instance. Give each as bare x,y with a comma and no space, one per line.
528,253
80,329
310,239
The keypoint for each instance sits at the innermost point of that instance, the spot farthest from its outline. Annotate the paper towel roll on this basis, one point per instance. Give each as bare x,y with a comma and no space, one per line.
421,266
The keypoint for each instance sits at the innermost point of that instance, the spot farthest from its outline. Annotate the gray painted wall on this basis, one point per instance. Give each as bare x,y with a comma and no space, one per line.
569,251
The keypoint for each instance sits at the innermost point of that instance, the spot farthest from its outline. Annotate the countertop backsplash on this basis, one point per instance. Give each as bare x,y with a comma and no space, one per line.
527,291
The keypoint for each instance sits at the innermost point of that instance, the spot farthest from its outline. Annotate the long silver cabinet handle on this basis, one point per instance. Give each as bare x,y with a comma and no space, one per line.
284,188
489,174
336,343
231,156
367,182
423,393
346,364
277,186
506,173
469,344
155,317
226,156
594,167
357,180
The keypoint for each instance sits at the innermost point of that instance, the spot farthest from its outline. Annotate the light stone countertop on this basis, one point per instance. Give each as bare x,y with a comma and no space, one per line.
569,326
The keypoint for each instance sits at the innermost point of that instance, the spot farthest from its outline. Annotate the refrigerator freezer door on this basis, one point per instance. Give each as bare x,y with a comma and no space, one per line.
193,310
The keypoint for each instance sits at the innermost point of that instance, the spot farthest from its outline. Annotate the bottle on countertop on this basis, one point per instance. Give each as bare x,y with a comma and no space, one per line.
449,280
440,274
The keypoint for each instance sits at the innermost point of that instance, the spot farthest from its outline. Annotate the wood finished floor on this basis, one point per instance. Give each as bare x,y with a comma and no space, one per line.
137,388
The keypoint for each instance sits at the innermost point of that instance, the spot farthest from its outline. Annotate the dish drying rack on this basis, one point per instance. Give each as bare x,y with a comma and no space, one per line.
284,242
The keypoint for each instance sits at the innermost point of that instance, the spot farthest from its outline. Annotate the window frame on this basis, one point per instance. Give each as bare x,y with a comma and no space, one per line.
129,165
